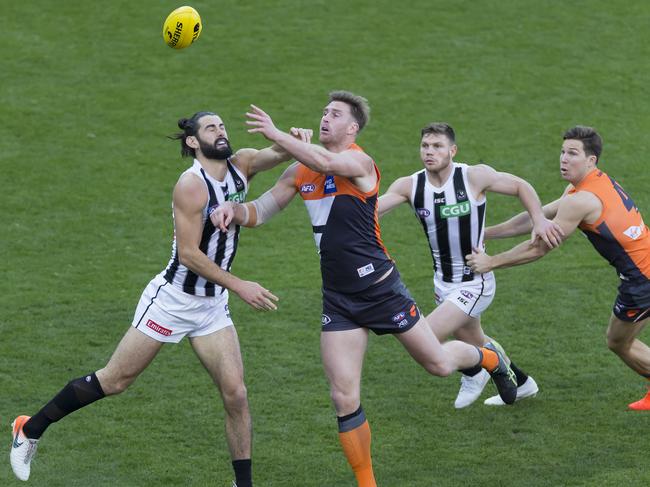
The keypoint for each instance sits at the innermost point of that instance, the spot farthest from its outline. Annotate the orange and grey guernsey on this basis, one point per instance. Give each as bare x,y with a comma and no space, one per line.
218,246
346,229
619,234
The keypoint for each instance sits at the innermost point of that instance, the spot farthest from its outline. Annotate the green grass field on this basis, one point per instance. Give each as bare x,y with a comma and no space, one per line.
88,92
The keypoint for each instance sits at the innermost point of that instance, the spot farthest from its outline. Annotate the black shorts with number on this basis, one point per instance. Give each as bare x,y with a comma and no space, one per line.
384,307
633,301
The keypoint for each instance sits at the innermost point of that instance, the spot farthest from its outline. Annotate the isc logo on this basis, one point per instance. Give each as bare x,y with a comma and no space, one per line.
451,211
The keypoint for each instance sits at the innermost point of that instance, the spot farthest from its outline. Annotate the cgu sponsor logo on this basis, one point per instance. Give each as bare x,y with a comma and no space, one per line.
238,197
158,329
453,211
308,188
399,316
423,212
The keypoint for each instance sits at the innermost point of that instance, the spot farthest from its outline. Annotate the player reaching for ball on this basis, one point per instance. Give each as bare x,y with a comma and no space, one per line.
596,204
362,289
188,298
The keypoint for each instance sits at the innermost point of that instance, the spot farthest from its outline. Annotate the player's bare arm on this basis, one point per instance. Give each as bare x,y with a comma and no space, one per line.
572,210
190,198
253,161
521,224
484,178
259,211
398,192
347,163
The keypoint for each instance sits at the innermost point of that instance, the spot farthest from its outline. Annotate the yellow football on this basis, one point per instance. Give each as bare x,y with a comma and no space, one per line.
182,27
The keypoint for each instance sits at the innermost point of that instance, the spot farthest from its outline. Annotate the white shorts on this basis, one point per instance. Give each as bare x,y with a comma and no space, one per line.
167,314
471,297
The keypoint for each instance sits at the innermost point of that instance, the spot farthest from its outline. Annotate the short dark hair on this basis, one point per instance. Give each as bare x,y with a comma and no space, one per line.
591,140
358,106
441,128
189,127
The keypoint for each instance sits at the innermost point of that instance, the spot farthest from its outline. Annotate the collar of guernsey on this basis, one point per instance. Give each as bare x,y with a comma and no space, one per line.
587,180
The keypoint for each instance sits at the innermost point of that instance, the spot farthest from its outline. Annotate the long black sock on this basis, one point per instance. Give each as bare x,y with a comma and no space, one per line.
76,394
521,375
472,371
243,472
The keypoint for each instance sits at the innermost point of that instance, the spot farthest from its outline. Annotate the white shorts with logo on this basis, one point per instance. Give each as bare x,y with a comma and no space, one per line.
167,314
471,297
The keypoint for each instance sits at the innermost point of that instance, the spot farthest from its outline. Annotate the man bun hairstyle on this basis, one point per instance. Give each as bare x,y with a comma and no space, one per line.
189,127
359,107
591,140
440,128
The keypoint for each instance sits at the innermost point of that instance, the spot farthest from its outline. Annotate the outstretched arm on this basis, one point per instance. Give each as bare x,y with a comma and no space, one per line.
259,211
253,161
520,224
349,163
399,192
572,210
190,197
486,178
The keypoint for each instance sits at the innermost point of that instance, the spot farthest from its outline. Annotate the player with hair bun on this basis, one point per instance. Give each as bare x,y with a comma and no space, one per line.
188,298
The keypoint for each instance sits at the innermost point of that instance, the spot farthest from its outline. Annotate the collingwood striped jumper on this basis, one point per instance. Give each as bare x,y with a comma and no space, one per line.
218,246
453,222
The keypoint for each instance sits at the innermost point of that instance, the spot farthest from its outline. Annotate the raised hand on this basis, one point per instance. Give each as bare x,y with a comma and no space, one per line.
261,123
302,134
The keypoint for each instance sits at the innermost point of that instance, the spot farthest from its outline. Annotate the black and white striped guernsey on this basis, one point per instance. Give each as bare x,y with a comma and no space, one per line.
218,246
453,222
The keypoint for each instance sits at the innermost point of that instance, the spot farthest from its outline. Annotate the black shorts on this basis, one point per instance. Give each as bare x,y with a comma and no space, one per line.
633,301
385,307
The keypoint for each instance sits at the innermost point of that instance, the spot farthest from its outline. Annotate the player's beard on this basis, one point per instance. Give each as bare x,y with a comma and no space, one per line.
214,152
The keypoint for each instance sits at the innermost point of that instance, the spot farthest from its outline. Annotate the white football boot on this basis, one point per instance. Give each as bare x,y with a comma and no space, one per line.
471,388
22,449
527,389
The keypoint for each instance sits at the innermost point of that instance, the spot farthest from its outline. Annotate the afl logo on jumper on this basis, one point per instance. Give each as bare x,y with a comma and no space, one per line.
423,212
330,185
308,188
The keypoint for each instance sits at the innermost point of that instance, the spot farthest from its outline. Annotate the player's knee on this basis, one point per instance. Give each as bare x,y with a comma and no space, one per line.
114,383
344,400
440,368
618,345
235,397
